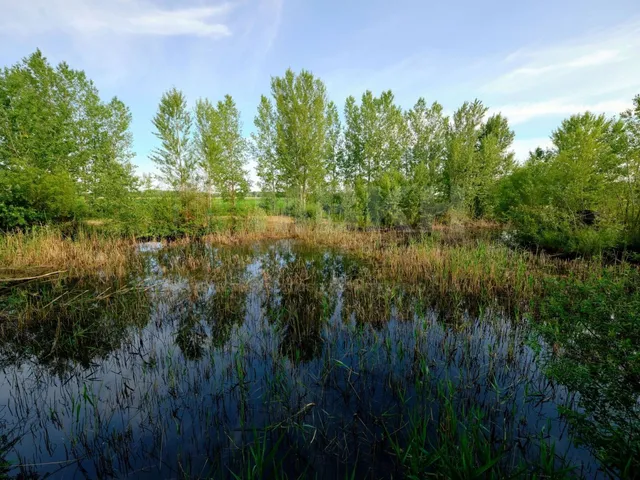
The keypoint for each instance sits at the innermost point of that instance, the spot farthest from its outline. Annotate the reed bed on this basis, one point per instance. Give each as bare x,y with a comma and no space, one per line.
44,251
447,264
446,261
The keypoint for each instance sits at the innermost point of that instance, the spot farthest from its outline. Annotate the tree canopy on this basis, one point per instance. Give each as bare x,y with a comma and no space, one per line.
64,153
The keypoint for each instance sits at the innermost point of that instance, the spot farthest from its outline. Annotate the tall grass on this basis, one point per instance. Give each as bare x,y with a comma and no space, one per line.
47,249
447,262
449,265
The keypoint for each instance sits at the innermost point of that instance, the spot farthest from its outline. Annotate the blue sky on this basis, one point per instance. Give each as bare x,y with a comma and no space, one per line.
537,62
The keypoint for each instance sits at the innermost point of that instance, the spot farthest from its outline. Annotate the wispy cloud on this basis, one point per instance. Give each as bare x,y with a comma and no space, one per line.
131,17
523,112
532,73
582,65
596,71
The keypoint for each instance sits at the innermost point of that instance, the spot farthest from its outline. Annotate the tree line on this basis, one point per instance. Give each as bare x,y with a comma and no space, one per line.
66,154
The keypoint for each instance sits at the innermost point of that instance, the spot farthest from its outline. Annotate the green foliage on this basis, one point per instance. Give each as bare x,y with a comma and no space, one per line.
263,146
435,162
580,196
175,157
64,153
477,156
222,148
300,131
630,175
65,156
593,329
375,142
334,150
31,196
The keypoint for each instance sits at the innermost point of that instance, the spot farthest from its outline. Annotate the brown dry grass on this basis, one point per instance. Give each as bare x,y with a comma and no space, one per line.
449,261
47,250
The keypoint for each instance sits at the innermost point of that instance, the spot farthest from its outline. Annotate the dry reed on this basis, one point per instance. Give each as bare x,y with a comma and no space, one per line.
47,250
447,262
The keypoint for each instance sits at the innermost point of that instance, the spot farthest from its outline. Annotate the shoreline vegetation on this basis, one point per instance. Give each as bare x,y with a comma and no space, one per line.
472,261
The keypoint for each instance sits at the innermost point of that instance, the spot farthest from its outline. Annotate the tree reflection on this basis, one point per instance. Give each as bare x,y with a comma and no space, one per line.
206,313
67,324
301,295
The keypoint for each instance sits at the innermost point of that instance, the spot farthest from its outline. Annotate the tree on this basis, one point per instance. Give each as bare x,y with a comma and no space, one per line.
375,136
423,162
332,198
375,143
462,139
222,147
175,157
629,195
565,198
109,175
494,160
263,146
334,149
587,162
354,141
300,120
427,129
64,153
478,154
208,148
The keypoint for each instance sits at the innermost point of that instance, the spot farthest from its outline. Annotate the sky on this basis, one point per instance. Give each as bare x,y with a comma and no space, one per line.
536,62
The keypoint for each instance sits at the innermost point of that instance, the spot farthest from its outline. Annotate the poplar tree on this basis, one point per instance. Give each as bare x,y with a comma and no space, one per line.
175,157
300,125
263,147
222,148
334,149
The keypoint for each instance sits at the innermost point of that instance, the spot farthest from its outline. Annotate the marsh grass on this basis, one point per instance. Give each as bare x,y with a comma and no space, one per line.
446,260
332,353
47,250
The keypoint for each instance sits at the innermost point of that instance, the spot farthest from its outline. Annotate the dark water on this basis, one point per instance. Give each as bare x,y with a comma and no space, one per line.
262,362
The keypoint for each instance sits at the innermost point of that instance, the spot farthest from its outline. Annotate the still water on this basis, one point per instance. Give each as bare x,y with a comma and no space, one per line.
267,361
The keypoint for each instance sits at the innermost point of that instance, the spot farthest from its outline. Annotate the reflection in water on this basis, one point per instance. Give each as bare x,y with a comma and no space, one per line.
296,354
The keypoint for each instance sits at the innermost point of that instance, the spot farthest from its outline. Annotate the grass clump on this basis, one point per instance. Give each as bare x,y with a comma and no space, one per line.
40,251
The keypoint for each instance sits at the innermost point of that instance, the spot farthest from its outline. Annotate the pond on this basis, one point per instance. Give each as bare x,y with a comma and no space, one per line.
272,361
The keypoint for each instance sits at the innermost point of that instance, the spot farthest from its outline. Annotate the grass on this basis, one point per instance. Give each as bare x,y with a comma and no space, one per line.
452,261
47,250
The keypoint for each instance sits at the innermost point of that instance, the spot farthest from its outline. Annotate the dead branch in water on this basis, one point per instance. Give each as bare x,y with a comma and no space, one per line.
24,279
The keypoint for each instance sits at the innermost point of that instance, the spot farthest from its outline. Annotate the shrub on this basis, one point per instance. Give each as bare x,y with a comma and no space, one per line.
593,327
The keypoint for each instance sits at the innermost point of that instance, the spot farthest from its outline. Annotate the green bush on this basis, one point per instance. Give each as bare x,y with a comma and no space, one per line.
592,327
30,196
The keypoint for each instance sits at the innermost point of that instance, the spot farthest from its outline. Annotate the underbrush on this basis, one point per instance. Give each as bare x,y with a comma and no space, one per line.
593,327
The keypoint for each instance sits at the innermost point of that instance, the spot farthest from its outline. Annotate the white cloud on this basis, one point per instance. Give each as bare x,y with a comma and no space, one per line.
523,112
523,77
597,71
130,17
582,66
522,147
